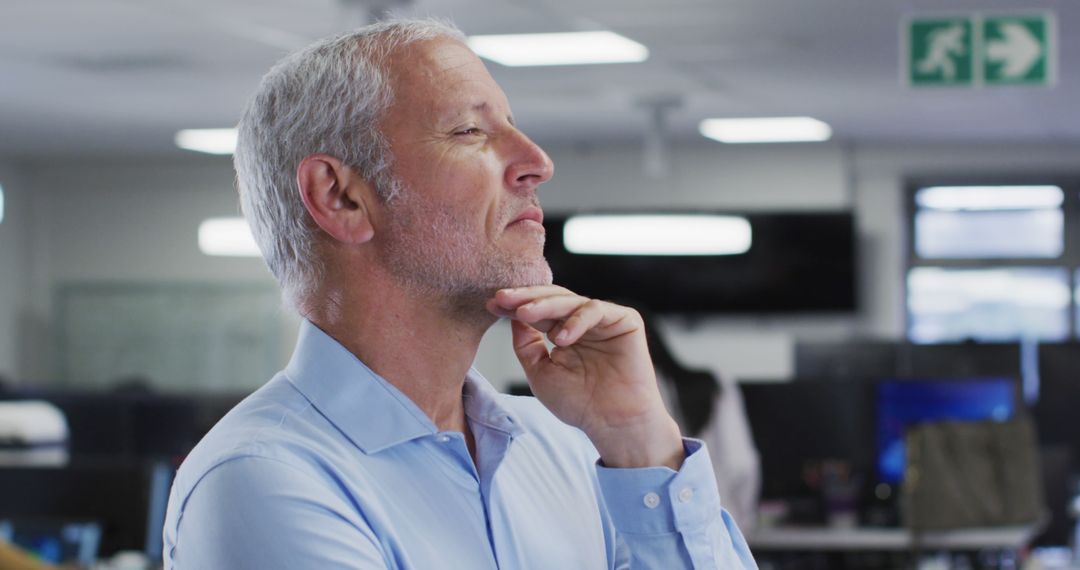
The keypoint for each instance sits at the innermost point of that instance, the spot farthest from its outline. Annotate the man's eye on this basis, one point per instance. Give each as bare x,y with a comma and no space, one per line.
468,131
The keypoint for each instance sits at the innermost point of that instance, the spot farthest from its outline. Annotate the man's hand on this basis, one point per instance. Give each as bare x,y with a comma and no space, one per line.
598,377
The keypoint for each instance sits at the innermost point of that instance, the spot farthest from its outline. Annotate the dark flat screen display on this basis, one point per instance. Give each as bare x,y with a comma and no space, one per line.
798,262
903,403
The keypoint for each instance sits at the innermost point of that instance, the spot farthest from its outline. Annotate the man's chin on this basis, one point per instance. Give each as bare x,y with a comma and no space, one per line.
538,274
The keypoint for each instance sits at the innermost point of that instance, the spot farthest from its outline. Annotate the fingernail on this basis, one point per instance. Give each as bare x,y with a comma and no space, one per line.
563,335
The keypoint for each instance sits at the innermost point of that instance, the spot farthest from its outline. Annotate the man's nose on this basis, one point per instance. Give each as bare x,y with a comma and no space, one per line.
530,166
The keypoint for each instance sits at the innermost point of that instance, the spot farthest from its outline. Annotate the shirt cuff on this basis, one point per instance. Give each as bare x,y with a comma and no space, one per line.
659,500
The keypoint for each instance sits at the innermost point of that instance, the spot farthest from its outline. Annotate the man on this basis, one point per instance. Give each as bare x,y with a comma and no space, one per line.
395,201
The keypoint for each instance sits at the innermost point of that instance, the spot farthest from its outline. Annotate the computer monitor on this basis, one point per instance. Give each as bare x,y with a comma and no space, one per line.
902,403
1059,392
847,360
798,423
960,360
56,541
125,498
110,425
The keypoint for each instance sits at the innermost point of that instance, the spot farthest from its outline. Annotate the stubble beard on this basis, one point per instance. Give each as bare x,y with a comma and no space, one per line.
434,253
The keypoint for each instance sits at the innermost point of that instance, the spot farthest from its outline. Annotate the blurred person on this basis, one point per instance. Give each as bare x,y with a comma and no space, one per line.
709,406
395,201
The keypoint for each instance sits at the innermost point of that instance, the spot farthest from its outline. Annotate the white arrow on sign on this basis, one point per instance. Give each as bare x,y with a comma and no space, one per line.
1019,50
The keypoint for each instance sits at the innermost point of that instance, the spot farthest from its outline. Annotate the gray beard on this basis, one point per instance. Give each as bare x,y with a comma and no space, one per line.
432,257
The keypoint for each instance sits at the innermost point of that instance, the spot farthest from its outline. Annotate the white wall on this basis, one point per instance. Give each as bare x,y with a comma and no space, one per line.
129,220
708,175
88,220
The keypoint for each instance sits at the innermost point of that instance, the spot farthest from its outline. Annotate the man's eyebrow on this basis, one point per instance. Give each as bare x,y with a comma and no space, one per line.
481,107
454,112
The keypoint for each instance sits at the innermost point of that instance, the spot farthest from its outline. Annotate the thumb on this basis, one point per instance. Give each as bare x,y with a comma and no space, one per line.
529,346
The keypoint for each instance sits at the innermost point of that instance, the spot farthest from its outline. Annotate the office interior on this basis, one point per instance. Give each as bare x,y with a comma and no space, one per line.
112,313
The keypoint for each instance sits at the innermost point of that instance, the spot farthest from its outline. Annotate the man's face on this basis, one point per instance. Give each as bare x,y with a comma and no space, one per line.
466,222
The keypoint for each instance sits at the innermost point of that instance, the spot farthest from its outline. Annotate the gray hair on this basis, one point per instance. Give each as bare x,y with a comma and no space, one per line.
326,98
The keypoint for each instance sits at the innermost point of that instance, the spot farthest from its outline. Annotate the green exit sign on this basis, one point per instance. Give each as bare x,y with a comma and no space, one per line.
1018,50
973,51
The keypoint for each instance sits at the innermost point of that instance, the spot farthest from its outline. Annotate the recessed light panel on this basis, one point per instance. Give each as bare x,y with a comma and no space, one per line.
211,141
229,237
766,130
573,48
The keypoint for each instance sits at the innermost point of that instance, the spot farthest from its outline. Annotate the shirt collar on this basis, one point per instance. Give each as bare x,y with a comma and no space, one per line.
369,410
483,407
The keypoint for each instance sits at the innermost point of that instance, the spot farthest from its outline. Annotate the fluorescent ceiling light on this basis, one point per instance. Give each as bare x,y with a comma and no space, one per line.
990,197
766,130
659,234
227,237
212,141
574,48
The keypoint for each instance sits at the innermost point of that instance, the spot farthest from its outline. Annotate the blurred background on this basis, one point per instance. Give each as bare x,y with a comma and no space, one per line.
906,251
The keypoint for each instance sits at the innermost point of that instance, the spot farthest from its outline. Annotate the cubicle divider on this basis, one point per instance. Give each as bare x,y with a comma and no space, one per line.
1049,389
124,448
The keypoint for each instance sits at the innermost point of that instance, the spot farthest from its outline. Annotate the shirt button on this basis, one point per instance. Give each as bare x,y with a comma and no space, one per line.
652,500
686,494
442,438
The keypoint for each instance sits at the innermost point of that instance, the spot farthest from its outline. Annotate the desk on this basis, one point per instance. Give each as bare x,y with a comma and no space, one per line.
878,539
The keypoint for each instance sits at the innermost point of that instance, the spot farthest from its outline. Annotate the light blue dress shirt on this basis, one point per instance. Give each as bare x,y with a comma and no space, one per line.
329,466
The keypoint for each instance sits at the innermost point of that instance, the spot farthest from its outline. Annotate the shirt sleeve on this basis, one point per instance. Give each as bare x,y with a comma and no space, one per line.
256,512
668,519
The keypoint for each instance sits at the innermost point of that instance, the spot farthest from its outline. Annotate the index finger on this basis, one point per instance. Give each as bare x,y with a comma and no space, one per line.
513,298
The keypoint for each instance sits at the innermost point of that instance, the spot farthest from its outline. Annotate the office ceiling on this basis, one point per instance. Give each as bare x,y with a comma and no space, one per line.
104,77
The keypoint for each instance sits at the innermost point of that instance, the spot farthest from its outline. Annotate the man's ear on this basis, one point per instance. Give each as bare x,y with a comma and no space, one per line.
336,197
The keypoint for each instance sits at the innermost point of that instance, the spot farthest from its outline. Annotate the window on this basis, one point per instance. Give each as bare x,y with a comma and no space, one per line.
990,304
993,263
